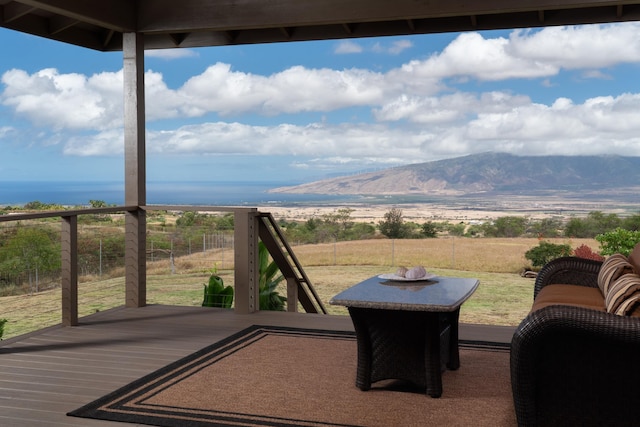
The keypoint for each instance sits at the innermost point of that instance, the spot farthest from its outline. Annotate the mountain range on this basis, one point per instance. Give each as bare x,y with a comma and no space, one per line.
486,173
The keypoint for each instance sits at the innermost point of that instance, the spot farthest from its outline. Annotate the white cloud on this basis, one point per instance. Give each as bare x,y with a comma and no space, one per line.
75,101
171,54
107,143
394,48
447,109
596,74
600,125
589,46
470,54
71,101
5,131
420,115
347,47
297,89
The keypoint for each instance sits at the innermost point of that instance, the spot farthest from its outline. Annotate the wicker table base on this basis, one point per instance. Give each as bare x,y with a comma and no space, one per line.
406,330
413,346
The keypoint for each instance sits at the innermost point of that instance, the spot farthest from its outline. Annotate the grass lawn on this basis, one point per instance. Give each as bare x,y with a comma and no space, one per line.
503,297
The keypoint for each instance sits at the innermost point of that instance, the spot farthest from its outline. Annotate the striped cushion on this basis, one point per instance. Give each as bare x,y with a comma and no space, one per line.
612,268
623,294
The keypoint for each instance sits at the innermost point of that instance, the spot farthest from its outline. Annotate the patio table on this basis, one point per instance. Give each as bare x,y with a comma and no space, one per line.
406,330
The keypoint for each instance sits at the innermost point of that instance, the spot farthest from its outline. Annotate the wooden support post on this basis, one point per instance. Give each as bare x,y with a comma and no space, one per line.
135,242
292,295
246,298
135,169
69,254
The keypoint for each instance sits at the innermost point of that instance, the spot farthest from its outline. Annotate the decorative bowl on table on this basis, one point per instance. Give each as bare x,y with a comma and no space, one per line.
403,274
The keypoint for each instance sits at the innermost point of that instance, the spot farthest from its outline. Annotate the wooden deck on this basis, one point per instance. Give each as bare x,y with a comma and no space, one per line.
48,373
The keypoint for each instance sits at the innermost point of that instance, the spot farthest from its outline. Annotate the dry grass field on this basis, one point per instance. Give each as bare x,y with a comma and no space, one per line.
503,297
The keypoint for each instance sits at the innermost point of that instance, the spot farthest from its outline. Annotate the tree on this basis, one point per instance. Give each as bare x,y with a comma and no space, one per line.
506,226
631,223
595,223
30,249
577,228
393,224
455,229
98,203
429,229
546,227
337,224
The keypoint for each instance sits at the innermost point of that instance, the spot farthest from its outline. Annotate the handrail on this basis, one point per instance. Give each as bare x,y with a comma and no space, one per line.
247,222
274,239
68,251
65,213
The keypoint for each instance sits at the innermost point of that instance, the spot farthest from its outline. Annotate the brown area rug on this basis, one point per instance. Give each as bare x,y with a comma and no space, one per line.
270,376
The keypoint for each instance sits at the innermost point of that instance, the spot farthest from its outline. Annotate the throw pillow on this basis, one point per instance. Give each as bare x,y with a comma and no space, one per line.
623,294
612,268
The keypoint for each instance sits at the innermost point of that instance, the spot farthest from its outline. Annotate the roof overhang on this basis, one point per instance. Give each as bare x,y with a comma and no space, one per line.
195,23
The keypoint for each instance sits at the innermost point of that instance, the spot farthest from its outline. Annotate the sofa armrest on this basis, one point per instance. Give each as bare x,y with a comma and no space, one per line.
568,271
575,366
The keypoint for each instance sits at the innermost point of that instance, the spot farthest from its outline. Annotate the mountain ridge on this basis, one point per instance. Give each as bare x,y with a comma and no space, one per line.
485,173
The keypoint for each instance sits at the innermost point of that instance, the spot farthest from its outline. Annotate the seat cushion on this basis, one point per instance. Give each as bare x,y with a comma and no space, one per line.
574,295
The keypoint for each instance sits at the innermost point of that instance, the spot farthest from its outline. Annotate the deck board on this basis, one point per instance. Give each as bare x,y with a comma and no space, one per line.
46,374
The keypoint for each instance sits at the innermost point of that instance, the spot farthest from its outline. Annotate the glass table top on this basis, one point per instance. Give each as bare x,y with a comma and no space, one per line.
437,294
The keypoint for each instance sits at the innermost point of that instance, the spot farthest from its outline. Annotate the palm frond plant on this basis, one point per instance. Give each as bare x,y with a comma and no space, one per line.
2,322
270,278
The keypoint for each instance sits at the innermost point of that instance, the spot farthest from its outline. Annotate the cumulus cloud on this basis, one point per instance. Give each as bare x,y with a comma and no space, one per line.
297,89
171,54
5,131
71,101
447,109
76,101
347,47
394,48
418,112
583,47
597,126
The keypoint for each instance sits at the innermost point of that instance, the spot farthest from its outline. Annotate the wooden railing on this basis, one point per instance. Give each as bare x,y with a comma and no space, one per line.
299,287
248,225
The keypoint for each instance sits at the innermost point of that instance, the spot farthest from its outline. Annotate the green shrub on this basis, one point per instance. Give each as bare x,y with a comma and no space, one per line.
216,294
545,252
618,241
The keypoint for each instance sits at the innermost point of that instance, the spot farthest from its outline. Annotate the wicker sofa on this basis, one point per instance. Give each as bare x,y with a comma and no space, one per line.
573,363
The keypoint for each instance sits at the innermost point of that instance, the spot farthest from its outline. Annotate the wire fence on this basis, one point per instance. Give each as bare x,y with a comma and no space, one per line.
30,267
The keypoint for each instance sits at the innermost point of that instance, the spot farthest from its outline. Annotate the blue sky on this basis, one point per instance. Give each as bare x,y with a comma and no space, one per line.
299,112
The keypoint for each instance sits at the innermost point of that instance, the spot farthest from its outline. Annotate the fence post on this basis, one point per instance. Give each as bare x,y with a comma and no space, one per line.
393,252
453,252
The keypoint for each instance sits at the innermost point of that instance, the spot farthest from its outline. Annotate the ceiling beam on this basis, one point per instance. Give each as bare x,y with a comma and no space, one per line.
117,15
13,11
207,15
195,23
58,24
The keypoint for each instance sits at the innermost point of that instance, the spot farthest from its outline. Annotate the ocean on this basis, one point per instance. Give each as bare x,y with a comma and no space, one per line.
158,193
